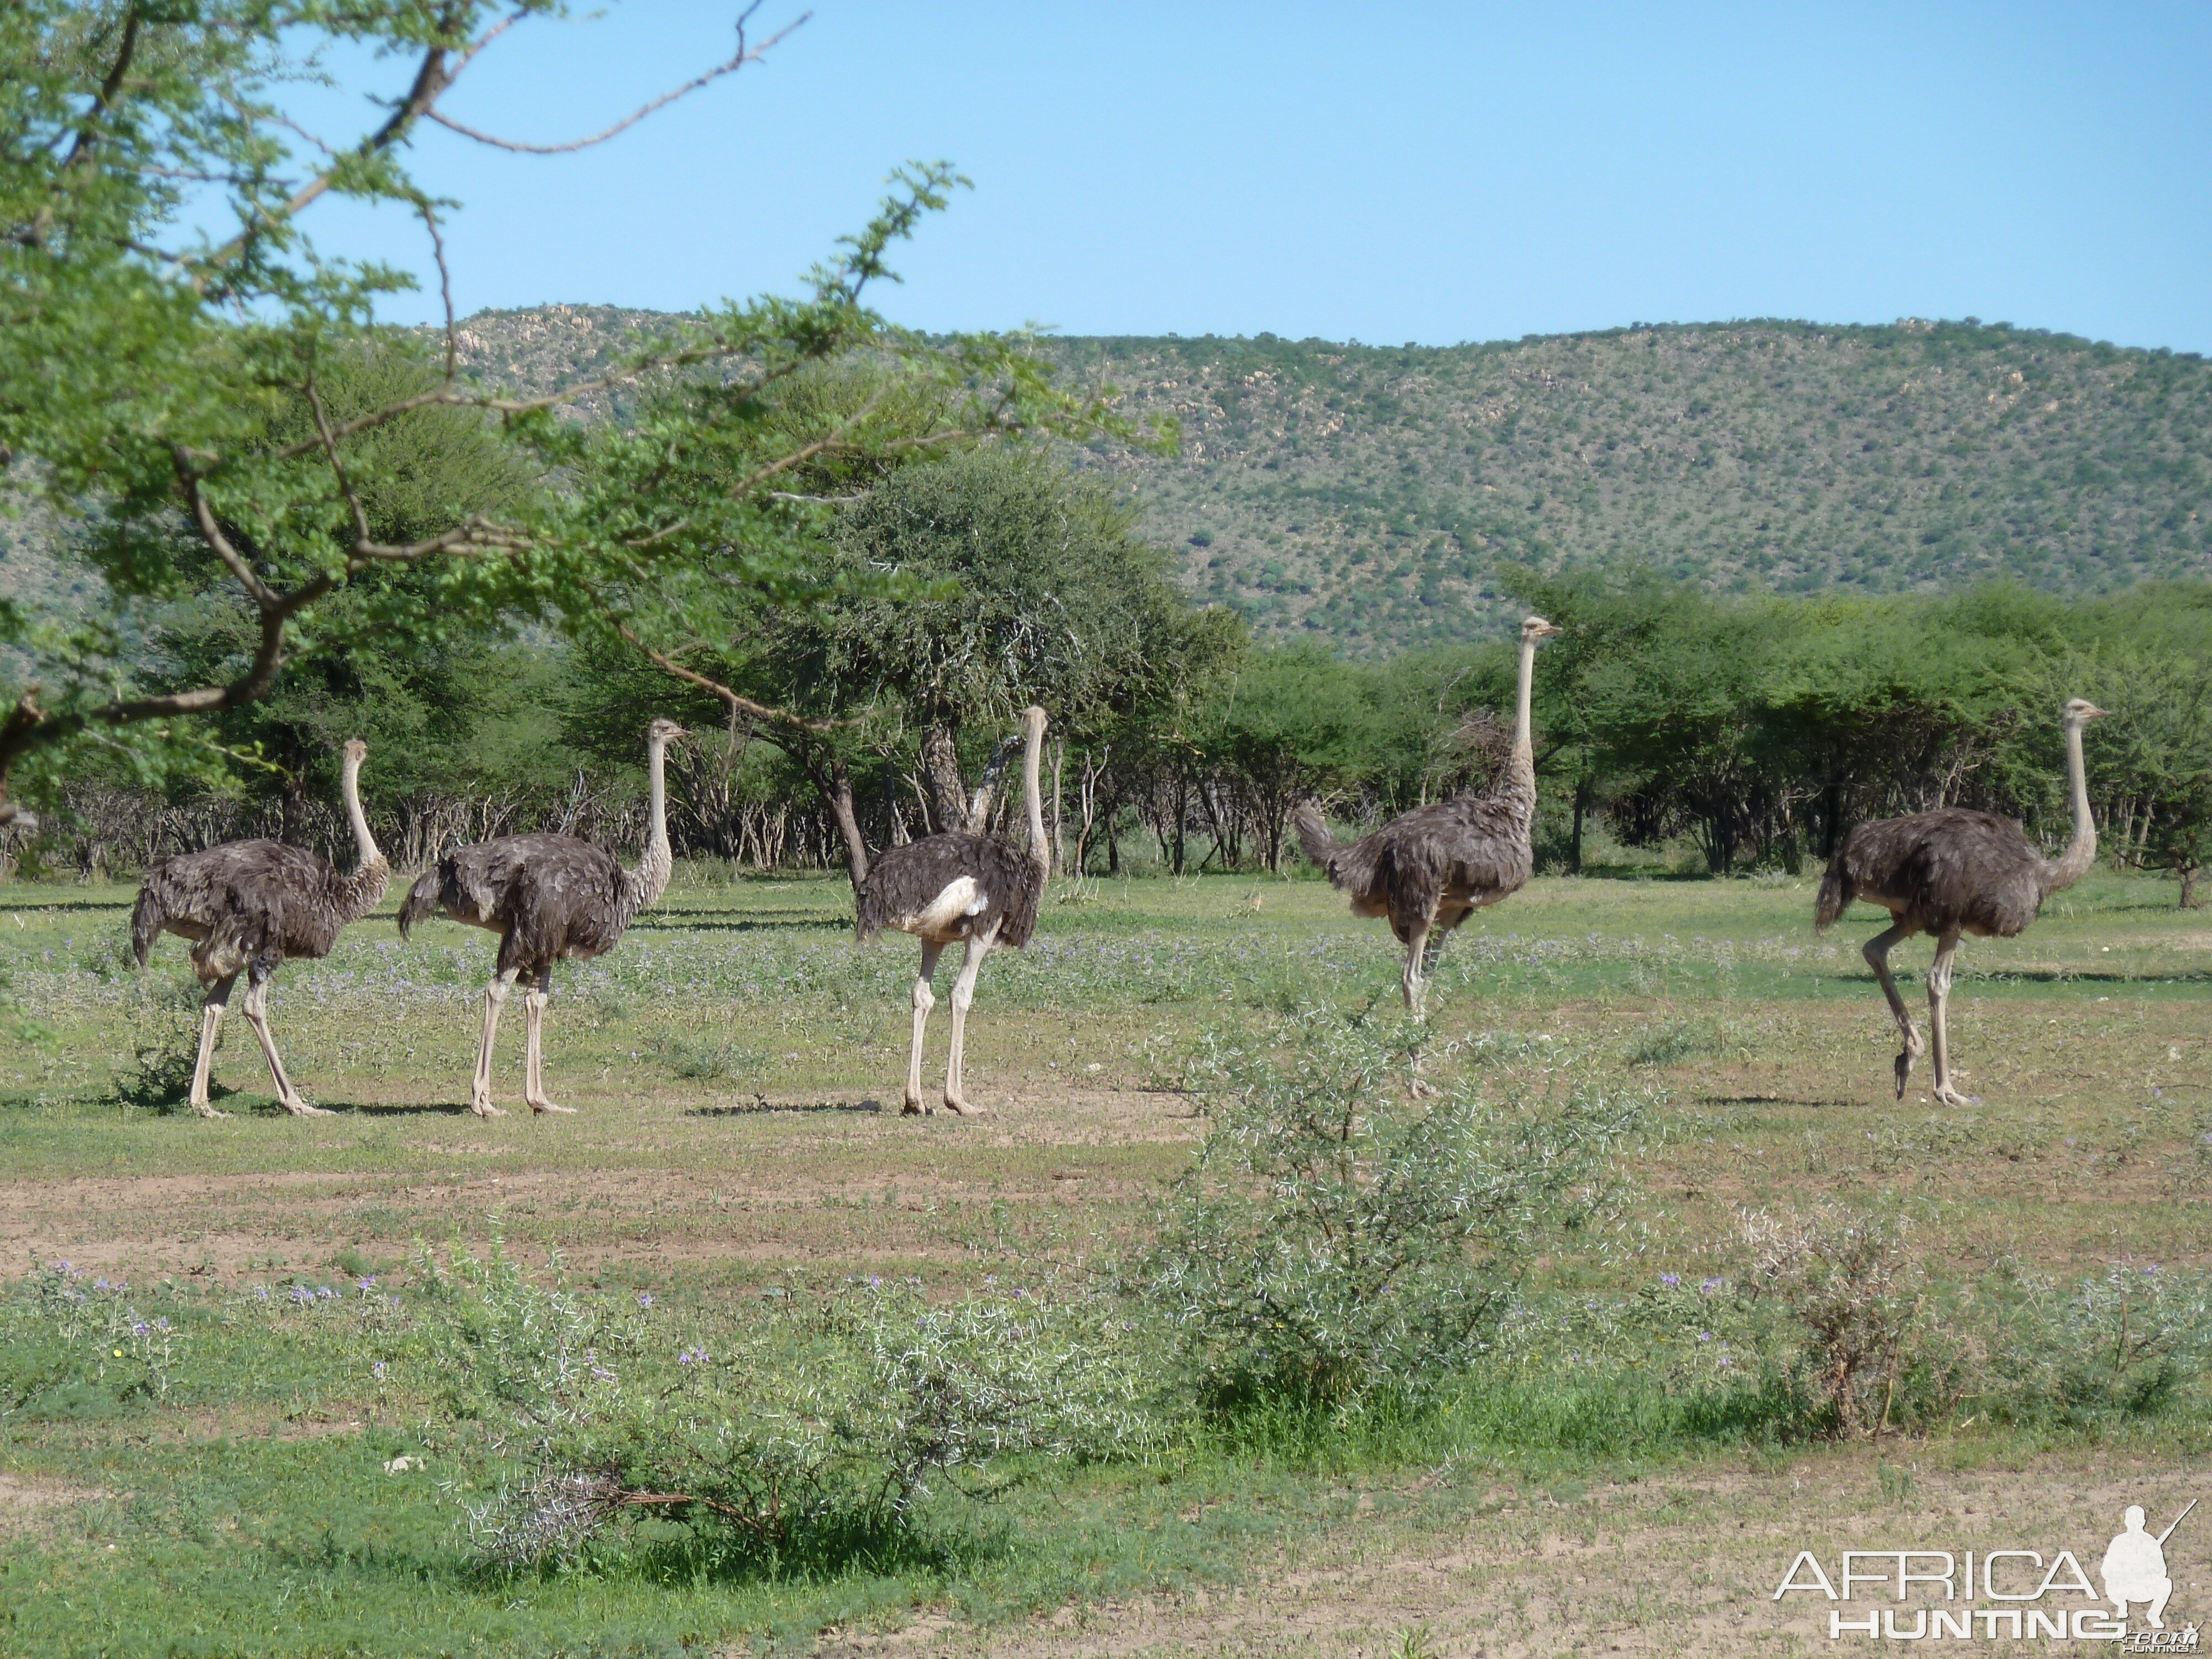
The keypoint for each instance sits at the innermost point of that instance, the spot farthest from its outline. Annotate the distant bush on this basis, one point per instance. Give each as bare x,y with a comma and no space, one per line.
1335,1237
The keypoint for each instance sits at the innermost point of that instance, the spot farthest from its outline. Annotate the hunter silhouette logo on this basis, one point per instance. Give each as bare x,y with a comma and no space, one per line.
2017,1594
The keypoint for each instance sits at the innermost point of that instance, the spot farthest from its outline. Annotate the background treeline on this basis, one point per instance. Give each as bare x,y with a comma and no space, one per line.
1742,732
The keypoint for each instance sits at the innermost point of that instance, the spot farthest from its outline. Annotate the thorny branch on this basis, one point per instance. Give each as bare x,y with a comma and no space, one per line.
744,55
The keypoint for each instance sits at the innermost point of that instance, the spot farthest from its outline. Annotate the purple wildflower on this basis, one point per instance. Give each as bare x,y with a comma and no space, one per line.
140,1328
377,1370
603,1373
1670,1280
1709,1286
645,1299
1704,1336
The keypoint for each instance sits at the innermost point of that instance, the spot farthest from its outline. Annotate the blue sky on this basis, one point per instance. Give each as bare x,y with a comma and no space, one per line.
1386,172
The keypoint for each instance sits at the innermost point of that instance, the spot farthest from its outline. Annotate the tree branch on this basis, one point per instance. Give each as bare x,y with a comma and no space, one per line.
744,55
737,703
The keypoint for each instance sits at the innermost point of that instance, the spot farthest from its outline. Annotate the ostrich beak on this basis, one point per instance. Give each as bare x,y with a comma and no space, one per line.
2093,713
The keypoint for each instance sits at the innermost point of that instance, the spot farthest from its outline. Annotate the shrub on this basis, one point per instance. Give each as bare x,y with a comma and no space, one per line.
1334,1238
165,1044
814,1432
2130,1342
1858,1299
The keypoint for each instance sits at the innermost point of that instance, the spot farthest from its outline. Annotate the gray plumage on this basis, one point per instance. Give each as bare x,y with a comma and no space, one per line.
246,907
550,898
252,901
904,882
1949,872
1431,868
960,888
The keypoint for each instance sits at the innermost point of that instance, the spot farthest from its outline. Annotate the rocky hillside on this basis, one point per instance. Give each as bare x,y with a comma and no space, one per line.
1364,496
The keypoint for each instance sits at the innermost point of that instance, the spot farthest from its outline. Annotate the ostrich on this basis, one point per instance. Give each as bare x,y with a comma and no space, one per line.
1953,871
1432,868
958,886
247,905
548,897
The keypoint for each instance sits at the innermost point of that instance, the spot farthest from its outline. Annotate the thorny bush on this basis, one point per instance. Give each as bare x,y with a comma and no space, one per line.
1339,1235
816,1430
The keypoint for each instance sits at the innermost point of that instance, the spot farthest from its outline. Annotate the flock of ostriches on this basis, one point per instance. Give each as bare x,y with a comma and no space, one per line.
247,906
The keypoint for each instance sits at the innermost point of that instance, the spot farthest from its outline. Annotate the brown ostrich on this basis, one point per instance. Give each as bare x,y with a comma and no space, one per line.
1953,871
953,887
247,906
550,898
1434,867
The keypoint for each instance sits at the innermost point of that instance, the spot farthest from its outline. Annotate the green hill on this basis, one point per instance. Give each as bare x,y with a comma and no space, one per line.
1365,496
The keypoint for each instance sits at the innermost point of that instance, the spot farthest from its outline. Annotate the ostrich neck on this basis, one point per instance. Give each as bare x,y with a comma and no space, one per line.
360,892
1039,847
1521,769
2081,851
645,884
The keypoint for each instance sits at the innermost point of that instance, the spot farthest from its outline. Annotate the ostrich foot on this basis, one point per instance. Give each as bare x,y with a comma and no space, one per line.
538,1106
482,1107
300,1109
1912,1050
1946,1095
916,1107
201,1108
960,1108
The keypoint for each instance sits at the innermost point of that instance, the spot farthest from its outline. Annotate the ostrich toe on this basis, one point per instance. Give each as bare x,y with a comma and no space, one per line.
300,1109
537,1106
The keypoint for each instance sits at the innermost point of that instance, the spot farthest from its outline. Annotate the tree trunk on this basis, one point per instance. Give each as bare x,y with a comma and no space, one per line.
1575,849
2188,874
940,770
836,783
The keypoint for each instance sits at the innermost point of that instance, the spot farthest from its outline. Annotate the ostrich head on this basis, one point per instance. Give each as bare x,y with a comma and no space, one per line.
664,731
1535,627
2080,711
1033,721
355,752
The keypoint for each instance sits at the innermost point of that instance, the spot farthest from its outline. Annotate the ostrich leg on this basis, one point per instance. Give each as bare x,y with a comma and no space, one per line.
1939,998
218,1000
257,1015
480,1084
1876,951
533,1065
924,1001
1414,981
963,993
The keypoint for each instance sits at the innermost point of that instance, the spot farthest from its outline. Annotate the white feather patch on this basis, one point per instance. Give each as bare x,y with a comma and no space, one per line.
961,897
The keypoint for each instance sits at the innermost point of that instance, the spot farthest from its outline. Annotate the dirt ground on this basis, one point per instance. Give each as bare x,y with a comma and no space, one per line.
1678,1564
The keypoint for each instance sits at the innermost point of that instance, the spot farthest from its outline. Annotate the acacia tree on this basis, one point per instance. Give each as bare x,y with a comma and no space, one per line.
950,594
152,371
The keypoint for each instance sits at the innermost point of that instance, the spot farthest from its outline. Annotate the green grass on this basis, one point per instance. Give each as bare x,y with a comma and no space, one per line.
733,1060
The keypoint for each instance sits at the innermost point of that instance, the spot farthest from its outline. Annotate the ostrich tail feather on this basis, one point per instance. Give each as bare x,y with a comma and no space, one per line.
145,924
1313,833
1835,895
421,900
